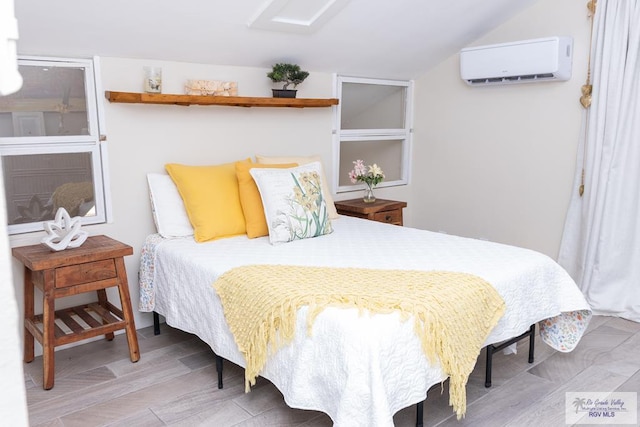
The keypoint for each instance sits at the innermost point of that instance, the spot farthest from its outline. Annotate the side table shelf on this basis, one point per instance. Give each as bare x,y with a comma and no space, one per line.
98,320
229,101
95,266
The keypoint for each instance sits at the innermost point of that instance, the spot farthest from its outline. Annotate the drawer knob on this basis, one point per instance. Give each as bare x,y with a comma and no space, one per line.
387,218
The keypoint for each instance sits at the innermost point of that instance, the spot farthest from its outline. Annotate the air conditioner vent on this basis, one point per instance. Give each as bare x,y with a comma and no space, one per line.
525,61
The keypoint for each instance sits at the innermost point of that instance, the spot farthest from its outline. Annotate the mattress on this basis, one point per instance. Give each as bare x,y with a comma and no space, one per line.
359,369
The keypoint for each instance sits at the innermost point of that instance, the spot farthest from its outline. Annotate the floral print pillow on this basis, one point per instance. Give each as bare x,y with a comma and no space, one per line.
294,205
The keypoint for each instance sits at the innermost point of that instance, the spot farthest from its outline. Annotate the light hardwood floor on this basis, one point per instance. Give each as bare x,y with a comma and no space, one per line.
174,383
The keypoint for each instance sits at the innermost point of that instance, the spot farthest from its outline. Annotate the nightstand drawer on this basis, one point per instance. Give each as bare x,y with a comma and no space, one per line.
387,211
389,217
85,273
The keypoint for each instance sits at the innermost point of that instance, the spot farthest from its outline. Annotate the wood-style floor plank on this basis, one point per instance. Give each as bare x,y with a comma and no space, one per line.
174,384
523,391
549,409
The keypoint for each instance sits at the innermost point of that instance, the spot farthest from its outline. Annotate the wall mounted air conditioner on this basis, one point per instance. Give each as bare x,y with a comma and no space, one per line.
536,60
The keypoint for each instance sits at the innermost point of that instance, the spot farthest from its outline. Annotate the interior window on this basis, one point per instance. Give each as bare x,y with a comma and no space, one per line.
373,123
50,145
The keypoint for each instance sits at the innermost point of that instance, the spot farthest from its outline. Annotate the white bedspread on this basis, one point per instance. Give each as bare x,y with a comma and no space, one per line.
359,370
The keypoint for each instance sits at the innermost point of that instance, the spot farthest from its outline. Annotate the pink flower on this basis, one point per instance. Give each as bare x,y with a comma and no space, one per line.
371,175
360,169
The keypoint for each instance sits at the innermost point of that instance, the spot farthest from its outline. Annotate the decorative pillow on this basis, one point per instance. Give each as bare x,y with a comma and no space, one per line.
250,198
293,201
211,198
167,207
301,160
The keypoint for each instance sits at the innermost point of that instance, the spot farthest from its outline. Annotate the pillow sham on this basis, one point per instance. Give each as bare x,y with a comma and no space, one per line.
167,207
303,160
293,200
250,200
211,199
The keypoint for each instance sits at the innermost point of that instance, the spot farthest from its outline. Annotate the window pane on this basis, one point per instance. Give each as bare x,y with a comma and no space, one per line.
36,185
385,153
52,102
372,106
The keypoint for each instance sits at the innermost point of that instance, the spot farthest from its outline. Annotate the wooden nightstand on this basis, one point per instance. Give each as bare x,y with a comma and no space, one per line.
389,211
96,265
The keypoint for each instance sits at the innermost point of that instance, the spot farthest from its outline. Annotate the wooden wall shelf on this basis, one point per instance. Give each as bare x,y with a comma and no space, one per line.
233,101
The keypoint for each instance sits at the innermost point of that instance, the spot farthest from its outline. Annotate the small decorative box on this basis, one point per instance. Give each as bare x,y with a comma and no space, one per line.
211,87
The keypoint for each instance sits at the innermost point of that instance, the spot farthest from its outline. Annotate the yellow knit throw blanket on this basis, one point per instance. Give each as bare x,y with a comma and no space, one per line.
453,312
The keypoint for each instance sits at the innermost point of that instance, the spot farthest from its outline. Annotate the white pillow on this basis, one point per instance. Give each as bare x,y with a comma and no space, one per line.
294,203
168,209
303,160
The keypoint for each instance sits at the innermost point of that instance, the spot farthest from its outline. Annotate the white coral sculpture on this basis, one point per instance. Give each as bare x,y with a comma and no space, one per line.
64,232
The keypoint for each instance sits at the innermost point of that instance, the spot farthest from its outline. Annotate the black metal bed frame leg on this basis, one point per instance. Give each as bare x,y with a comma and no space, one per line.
219,361
419,414
487,373
531,333
156,323
532,341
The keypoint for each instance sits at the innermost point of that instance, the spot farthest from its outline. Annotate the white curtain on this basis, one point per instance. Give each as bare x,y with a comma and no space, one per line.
10,79
601,241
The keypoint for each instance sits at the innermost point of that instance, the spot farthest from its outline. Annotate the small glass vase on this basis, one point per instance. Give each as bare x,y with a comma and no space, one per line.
368,197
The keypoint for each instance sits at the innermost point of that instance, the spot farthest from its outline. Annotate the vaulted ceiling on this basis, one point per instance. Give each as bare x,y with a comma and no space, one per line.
369,38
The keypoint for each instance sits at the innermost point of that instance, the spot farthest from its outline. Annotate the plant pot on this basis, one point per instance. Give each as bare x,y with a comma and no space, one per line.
284,93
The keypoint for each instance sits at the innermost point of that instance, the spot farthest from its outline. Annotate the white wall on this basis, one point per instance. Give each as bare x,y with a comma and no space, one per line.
498,162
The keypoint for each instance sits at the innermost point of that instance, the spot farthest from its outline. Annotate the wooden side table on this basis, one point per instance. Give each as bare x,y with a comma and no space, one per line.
388,211
96,265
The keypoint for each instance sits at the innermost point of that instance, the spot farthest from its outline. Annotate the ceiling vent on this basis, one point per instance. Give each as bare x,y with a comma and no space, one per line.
526,61
295,16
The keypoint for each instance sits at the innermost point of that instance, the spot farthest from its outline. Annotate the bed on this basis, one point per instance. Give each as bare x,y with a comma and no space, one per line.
359,369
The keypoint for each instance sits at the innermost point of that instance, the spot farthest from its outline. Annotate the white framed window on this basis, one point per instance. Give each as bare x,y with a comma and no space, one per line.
372,122
52,151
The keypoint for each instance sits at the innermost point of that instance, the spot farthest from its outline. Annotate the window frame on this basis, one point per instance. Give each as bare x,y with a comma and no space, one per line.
94,142
403,134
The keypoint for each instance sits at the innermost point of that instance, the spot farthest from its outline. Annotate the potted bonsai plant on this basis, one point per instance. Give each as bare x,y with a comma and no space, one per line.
290,74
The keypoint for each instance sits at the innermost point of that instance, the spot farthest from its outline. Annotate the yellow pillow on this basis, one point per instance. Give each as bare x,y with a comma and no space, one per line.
211,198
250,198
303,160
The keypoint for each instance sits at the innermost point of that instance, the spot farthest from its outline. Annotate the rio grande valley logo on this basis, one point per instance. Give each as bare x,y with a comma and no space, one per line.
601,408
